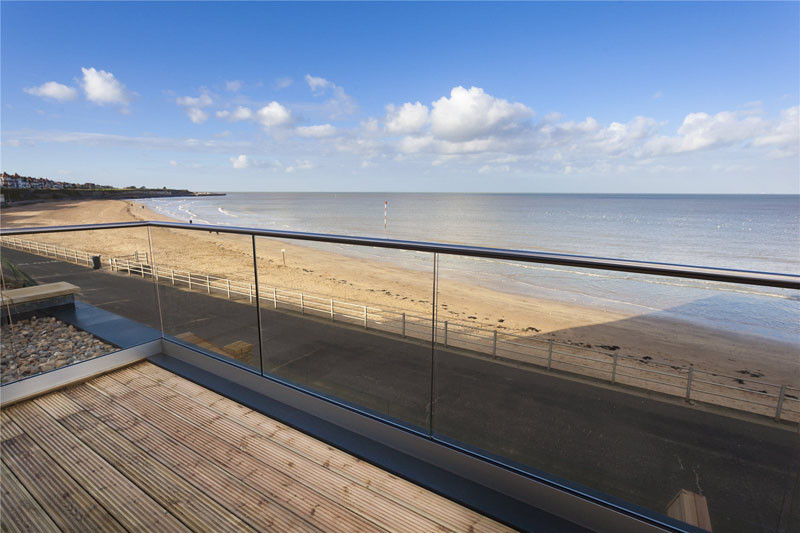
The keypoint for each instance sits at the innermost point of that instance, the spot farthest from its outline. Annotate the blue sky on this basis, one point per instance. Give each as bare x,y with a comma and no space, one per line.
576,97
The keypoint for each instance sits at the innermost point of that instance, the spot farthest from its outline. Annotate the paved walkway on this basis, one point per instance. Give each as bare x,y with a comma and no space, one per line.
642,450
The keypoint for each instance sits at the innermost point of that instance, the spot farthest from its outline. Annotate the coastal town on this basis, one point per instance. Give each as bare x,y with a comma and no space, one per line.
15,181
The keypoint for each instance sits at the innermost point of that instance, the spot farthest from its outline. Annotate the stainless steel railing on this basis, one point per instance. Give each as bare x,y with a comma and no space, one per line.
771,399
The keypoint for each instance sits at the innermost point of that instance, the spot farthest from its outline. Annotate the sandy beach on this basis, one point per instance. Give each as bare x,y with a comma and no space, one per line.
648,340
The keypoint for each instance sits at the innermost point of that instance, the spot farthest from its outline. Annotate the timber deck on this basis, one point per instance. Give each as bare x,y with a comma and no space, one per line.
144,449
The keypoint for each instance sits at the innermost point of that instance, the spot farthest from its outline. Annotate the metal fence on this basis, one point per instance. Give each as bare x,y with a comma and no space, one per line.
780,401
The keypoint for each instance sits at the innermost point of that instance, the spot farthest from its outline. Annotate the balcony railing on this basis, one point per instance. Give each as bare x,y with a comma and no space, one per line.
416,349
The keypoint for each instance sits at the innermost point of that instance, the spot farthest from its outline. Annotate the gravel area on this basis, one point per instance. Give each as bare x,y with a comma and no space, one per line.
40,344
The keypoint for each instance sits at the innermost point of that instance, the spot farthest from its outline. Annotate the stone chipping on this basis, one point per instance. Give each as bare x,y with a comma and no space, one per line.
41,344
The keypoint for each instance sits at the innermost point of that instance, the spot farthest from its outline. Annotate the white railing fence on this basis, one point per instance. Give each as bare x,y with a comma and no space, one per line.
780,401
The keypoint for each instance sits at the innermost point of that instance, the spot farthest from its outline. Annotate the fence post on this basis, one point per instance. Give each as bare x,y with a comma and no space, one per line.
76,255
689,383
302,305
208,285
365,318
250,291
332,315
549,355
189,275
141,268
404,324
228,283
172,275
136,255
778,409
494,346
274,297
614,370
445,333
128,264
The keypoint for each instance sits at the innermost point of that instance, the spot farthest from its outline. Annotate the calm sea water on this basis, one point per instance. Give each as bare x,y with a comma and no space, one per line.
755,232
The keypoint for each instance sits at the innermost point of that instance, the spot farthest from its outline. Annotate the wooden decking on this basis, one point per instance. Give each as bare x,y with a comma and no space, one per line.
143,449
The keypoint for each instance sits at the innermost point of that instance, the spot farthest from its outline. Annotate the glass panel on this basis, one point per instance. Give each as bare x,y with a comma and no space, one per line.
352,323
636,386
65,304
206,287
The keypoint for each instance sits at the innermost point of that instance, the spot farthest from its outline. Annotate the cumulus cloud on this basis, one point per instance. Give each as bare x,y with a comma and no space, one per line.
244,161
233,86
784,135
273,114
317,131
471,114
408,118
241,161
54,91
204,100
197,115
701,131
103,88
237,115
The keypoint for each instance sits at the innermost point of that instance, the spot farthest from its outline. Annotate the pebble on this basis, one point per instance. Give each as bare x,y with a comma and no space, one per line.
39,345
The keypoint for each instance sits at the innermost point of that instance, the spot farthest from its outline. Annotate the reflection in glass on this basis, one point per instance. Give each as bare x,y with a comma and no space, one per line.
352,323
206,287
65,302
636,386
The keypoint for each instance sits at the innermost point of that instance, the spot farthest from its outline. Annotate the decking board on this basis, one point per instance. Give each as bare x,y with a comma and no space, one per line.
19,510
129,505
431,505
191,506
371,506
143,449
238,497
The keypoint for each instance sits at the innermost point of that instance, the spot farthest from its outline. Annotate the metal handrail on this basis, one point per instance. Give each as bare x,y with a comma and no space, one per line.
208,282
745,277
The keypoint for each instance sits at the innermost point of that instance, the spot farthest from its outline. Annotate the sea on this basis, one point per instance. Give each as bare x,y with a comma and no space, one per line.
747,232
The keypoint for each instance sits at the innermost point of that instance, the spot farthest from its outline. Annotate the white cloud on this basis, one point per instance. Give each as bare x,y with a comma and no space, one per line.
238,114
173,163
784,135
301,165
317,131
490,169
618,137
204,100
197,115
702,131
408,118
282,83
339,104
273,114
241,161
233,86
54,91
317,84
471,114
103,88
